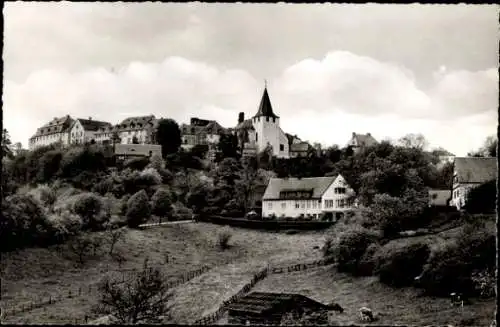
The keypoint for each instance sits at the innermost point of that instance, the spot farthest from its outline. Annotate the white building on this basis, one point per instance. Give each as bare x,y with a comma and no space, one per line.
86,130
263,130
55,131
470,172
140,129
201,132
307,197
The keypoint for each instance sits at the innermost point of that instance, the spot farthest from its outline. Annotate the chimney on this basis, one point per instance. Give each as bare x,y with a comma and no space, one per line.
241,117
368,134
353,134
90,118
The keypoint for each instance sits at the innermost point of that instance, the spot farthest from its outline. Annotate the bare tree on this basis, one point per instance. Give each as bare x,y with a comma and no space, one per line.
113,235
411,140
144,299
80,246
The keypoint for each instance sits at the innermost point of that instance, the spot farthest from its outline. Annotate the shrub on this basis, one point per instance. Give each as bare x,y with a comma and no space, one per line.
326,216
45,195
368,261
161,202
484,282
352,246
82,159
399,265
328,248
24,223
65,224
138,209
49,165
482,199
90,208
223,238
136,163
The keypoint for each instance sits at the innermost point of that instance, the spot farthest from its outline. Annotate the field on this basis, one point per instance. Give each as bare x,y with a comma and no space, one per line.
396,306
31,273
39,272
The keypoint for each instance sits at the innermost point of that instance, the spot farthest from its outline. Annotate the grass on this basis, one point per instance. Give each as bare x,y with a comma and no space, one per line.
396,306
41,272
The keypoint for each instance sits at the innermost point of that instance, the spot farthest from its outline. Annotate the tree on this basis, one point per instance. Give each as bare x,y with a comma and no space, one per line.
228,146
113,236
411,140
162,202
6,145
168,135
249,180
89,207
143,299
197,197
138,209
489,148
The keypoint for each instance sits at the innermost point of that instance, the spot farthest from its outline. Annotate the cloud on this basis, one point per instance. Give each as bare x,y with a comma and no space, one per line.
320,100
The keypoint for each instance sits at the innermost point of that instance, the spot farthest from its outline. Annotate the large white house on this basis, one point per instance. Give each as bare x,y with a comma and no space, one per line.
470,172
307,197
55,131
140,130
263,130
87,130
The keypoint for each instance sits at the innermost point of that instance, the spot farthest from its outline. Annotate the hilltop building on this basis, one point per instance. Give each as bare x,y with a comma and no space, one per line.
139,130
55,131
307,197
86,130
361,141
262,130
470,172
201,132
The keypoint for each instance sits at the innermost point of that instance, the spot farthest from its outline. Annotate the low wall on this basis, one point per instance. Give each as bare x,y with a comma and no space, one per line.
267,224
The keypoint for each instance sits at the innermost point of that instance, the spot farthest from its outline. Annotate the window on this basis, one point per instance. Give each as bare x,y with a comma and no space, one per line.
274,119
282,147
297,205
339,190
283,205
270,205
315,205
308,204
267,119
303,204
256,136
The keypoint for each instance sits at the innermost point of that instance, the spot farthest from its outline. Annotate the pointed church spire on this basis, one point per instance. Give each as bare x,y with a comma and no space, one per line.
265,107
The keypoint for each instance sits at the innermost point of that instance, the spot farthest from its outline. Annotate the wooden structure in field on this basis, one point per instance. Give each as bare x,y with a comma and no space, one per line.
259,308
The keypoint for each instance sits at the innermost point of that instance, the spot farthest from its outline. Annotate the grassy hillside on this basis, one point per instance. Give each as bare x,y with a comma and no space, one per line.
38,272
396,306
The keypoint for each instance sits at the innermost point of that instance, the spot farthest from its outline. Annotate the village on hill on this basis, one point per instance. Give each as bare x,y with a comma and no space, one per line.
163,184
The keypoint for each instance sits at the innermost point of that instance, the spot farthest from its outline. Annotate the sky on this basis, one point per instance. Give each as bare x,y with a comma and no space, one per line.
331,69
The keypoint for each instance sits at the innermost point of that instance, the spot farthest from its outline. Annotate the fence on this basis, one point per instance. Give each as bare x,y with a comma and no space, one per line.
35,303
267,224
213,317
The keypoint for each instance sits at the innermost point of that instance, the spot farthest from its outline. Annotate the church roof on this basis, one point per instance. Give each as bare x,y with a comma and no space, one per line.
265,108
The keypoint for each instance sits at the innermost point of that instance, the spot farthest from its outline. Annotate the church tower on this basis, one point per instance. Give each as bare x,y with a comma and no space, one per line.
267,127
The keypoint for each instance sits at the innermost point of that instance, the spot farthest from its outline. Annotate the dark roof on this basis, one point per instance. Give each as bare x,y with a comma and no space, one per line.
318,186
139,122
210,127
439,197
265,108
56,125
299,147
246,124
93,125
475,169
364,139
260,303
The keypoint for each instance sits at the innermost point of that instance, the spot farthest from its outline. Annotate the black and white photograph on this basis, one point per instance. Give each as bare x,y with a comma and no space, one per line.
280,164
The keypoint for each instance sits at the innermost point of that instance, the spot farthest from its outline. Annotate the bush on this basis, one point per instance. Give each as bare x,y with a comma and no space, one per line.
482,199
45,195
352,246
138,209
328,247
90,208
136,163
368,261
223,238
64,225
399,265
161,202
451,268
24,223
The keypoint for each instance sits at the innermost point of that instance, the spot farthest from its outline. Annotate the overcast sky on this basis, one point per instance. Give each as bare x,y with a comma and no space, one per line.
331,69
